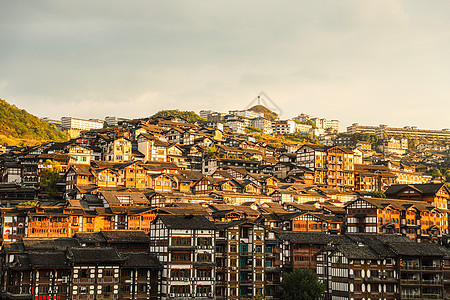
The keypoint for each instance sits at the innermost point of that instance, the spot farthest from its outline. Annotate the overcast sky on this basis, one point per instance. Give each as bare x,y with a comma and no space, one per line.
371,62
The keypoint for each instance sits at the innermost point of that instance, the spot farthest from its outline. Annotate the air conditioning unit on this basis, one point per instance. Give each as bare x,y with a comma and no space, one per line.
186,279
233,268
64,279
172,295
351,276
210,295
204,295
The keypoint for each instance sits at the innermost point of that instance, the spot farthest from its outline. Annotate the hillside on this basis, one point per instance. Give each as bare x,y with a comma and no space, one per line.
189,116
268,114
18,127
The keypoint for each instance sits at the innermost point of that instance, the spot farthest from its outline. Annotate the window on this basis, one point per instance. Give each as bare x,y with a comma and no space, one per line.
107,289
233,248
180,273
84,273
181,241
204,257
83,289
204,241
185,257
204,273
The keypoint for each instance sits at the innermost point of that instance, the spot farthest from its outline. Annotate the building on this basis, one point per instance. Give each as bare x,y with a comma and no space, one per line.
263,124
284,127
333,167
246,114
248,261
184,244
114,121
80,124
383,131
376,266
62,269
417,220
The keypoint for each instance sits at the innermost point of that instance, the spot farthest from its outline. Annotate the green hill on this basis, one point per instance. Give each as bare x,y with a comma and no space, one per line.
268,114
189,116
18,127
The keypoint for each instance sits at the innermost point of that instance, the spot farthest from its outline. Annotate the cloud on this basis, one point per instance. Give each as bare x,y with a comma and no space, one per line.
365,61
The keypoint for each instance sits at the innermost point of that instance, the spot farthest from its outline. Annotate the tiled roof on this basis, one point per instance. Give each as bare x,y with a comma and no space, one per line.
186,222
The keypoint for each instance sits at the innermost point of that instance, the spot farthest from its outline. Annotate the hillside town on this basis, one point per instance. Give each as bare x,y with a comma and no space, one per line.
223,207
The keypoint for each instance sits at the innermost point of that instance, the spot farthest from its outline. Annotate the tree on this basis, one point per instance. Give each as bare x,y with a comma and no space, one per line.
49,178
211,152
302,284
378,194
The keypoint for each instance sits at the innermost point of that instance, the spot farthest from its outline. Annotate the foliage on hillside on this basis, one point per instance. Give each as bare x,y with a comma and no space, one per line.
278,140
189,116
18,127
268,114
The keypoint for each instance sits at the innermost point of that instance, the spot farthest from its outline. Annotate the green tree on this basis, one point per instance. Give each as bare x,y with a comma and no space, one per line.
302,284
434,172
378,194
29,203
211,152
49,178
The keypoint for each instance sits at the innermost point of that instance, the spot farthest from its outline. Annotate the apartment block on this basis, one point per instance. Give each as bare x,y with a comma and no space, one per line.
80,124
184,244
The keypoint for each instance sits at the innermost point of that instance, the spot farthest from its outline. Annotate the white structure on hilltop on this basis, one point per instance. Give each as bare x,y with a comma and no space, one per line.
80,124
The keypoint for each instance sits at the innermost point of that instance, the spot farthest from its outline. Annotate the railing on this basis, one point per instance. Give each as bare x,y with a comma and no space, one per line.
431,268
432,281
431,296
410,281
406,267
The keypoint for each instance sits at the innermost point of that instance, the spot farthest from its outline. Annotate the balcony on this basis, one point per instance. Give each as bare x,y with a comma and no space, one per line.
431,296
431,268
410,281
432,282
410,268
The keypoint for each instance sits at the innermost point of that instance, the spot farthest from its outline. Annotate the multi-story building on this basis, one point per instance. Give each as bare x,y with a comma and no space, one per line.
61,269
332,125
372,178
246,113
248,261
80,124
264,124
377,266
437,194
383,131
395,146
332,166
417,220
117,150
114,121
152,148
184,244
284,127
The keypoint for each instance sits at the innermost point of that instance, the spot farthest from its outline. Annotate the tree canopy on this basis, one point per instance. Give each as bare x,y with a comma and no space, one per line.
189,116
17,127
49,178
302,284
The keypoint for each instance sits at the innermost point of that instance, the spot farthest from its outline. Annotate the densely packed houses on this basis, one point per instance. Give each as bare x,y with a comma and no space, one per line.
161,208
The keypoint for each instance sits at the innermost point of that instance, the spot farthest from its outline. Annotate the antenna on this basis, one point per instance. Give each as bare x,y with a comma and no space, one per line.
261,100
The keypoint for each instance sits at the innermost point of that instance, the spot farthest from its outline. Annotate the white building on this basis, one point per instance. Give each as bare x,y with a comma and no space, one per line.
284,127
80,124
246,113
114,121
263,124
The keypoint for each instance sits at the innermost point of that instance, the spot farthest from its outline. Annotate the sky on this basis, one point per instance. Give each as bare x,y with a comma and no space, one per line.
367,62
